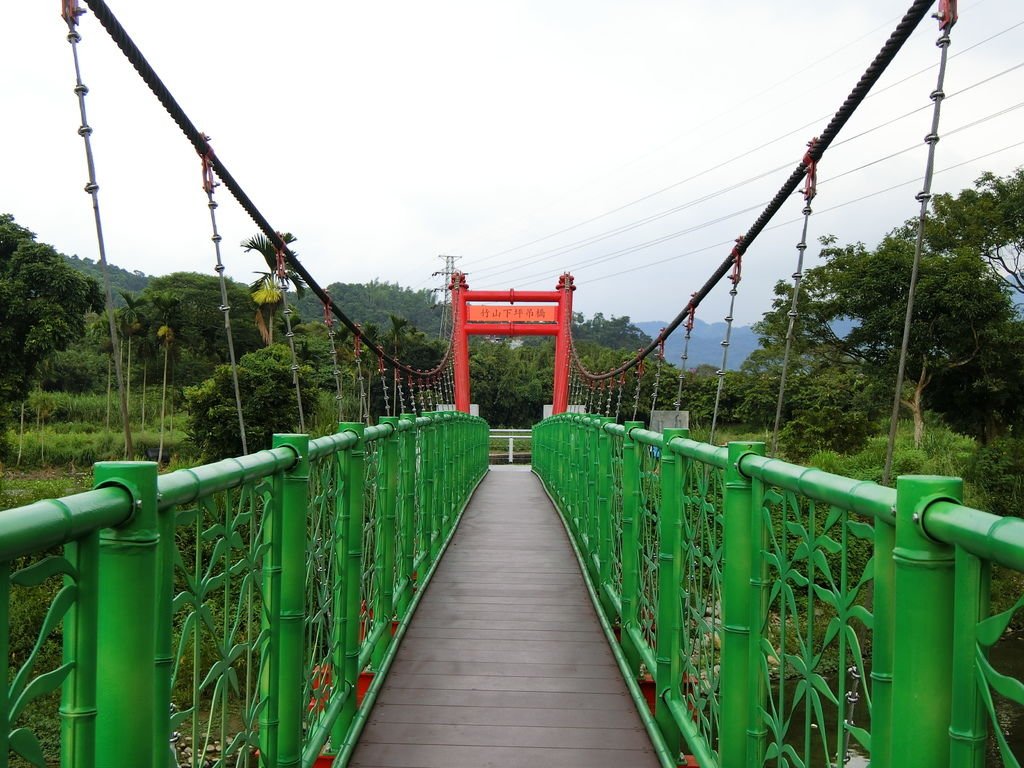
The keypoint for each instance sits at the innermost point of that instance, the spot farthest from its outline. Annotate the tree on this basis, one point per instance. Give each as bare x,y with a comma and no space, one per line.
268,403
852,311
130,323
166,306
200,345
268,291
988,221
613,332
43,303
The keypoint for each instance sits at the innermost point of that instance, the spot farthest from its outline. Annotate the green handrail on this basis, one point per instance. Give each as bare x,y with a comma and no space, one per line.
205,588
760,592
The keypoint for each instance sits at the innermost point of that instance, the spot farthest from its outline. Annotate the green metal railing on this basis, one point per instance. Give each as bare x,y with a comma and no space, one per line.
781,614
224,615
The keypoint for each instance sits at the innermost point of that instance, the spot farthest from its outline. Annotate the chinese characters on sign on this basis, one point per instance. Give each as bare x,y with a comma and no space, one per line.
483,313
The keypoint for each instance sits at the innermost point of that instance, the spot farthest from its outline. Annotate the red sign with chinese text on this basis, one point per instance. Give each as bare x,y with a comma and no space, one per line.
522,313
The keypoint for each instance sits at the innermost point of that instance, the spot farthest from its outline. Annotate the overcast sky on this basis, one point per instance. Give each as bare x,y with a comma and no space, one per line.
385,134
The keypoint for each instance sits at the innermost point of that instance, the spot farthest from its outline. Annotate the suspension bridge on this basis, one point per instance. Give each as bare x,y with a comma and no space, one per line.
380,596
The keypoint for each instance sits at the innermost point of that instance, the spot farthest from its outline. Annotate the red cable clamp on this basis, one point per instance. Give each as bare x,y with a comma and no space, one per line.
328,316
282,273
692,313
640,368
737,261
380,365
661,347
357,350
947,14
207,158
811,180
70,12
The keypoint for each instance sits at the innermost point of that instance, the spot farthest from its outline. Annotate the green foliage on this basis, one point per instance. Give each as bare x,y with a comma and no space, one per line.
200,343
268,404
987,221
611,333
43,302
511,383
374,302
997,469
121,280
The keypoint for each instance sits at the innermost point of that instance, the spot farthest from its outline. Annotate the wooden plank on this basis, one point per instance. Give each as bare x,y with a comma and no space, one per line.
505,663
373,755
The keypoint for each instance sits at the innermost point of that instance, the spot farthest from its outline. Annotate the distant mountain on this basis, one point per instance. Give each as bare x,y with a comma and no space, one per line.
705,342
120,279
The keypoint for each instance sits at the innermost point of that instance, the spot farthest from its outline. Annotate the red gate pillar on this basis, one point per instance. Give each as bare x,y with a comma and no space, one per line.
461,341
560,395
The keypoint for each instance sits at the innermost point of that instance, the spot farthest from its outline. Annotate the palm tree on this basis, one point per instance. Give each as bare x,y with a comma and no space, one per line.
129,325
268,292
166,306
396,335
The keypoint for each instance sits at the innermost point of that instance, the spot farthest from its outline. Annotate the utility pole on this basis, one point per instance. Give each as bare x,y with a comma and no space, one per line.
446,275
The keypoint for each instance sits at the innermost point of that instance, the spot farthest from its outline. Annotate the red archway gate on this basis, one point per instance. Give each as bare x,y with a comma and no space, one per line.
504,313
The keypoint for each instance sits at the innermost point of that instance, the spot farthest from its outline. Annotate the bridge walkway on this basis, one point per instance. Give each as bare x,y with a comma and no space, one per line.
505,663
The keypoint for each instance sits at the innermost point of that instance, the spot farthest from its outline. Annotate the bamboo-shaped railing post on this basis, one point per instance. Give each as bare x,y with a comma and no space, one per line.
339,599
126,715
968,728
291,493
605,528
736,680
630,542
384,560
406,517
352,489
923,629
757,728
668,674
78,698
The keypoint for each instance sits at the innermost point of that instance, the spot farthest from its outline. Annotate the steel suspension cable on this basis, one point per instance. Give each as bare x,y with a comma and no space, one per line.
198,141
947,17
888,52
810,190
208,186
683,358
335,367
71,12
735,278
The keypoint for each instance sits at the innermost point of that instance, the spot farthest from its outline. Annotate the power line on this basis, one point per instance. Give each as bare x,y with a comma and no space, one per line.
690,230
741,155
818,213
501,269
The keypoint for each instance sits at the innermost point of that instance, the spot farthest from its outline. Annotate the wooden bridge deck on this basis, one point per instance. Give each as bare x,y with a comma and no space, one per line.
505,663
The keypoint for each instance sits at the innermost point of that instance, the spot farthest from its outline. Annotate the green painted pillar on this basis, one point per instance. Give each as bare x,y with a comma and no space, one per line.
343,620
883,607
668,674
352,490
760,586
592,435
78,697
432,506
127,701
270,623
923,631
385,559
630,541
968,729
291,493
738,568
165,650
406,517
605,531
